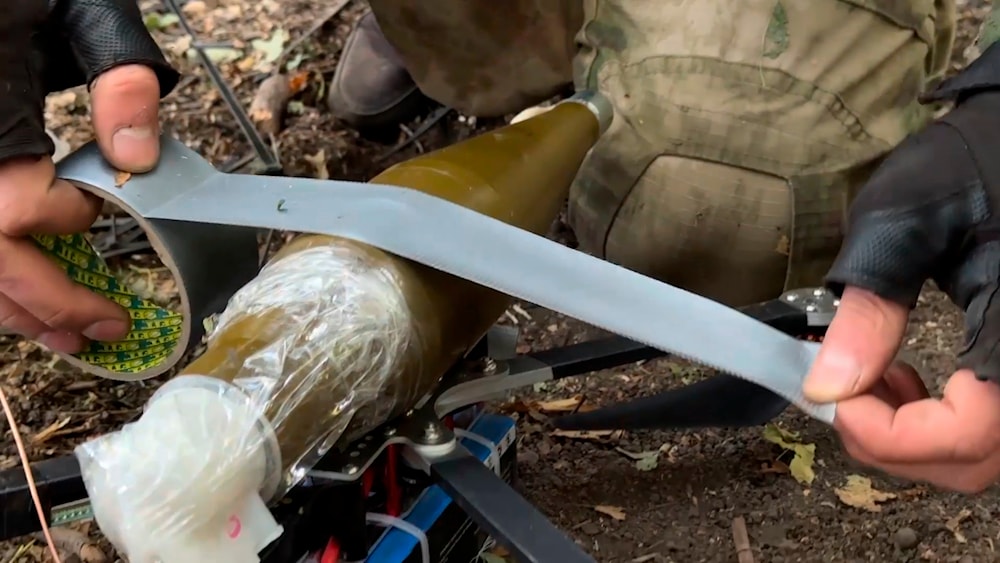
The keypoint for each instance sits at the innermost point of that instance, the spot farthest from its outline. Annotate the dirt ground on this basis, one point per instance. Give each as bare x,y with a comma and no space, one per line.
636,497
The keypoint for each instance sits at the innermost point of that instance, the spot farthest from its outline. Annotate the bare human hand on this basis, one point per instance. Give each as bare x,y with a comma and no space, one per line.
930,211
887,419
105,45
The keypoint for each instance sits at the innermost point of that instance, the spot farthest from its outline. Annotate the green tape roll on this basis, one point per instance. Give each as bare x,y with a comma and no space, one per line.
156,332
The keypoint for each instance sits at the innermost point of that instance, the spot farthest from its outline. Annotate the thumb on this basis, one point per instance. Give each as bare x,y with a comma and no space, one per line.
125,105
859,346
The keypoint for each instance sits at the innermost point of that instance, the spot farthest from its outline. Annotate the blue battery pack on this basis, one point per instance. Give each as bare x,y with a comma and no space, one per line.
451,534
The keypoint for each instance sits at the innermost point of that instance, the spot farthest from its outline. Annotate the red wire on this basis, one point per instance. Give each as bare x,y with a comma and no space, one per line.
367,481
393,490
394,496
331,554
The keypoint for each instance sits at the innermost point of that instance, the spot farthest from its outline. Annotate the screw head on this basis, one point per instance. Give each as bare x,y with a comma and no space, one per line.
350,469
431,430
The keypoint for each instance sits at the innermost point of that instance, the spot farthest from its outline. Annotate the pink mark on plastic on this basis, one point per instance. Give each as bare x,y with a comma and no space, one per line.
235,526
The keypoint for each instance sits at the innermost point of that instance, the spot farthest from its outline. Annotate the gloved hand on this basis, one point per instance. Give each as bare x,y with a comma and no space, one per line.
46,46
931,211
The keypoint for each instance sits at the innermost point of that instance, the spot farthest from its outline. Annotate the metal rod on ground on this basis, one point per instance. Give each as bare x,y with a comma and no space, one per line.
264,153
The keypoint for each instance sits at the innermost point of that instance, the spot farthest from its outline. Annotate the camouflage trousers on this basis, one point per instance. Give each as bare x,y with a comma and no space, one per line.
742,127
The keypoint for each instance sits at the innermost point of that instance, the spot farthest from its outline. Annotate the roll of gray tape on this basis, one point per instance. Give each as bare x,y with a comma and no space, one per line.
209,262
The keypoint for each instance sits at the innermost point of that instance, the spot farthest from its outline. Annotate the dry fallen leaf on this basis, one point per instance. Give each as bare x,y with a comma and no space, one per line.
516,406
912,493
801,466
560,405
648,463
616,512
271,48
194,8
247,63
121,177
584,434
318,162
50,431
644,461
181,45
775,467
298,81
859,493
954,522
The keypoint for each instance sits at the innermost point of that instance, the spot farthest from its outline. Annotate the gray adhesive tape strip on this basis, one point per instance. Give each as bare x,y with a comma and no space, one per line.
185,190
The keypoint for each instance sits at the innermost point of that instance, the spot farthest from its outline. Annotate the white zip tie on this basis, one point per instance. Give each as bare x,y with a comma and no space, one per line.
394,522
494,451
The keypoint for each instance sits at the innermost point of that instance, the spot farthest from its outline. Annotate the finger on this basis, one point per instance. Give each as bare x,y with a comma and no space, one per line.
13,317
901,384
905,383
885,393
125,105
960,477
114,48
961,427
859,346
33,202
40,287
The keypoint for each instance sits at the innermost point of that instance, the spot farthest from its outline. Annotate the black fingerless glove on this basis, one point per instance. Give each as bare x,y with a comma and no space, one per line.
932,211
47,46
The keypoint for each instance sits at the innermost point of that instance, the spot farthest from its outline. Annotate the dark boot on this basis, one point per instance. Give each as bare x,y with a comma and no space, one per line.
371,88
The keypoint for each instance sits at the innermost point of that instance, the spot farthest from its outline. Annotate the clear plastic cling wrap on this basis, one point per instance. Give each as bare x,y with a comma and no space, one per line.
322,345
332,339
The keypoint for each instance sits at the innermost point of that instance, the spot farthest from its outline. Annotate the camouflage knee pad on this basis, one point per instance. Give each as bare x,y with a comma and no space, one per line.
742,129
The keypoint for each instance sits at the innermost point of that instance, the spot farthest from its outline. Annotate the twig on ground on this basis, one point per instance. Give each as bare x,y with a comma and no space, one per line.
744,553
329,15
26,464
416,143
431,121
76,543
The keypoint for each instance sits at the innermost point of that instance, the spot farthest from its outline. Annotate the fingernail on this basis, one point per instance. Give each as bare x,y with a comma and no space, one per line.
132,135
834,377
106,330
58,341
135,145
